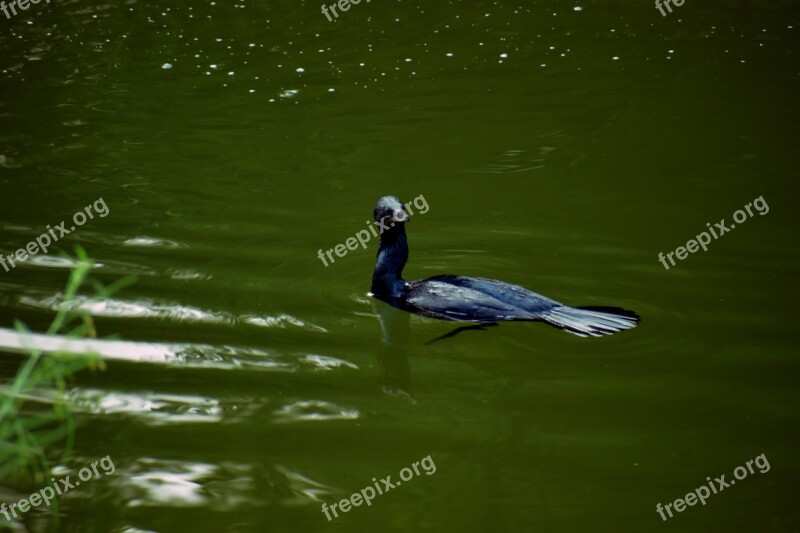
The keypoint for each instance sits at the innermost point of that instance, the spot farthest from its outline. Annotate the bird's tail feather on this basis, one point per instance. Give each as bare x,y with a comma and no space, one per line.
591,321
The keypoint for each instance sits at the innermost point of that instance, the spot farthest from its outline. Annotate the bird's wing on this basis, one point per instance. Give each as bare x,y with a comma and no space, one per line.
508,293
448,301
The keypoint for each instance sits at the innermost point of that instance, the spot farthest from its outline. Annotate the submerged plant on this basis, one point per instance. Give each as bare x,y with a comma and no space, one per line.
29,428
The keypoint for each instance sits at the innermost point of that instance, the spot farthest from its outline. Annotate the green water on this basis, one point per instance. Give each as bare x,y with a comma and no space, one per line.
558,148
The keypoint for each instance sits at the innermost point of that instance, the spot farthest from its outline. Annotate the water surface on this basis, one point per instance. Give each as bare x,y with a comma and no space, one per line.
559,145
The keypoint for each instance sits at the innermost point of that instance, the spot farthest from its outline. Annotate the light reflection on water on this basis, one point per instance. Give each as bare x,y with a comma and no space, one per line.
150,309
180,355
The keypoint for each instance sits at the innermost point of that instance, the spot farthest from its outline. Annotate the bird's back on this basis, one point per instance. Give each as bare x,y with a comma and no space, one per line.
468,299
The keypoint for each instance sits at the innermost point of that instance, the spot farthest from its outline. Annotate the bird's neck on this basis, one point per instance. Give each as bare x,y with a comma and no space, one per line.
387,280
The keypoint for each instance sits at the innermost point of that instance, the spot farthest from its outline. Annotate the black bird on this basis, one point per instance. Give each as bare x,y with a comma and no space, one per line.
477,300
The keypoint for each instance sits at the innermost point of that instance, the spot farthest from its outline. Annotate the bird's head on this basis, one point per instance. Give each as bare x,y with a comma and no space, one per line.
389,212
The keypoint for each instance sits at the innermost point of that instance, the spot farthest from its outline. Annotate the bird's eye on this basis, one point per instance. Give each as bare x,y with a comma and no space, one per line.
400,216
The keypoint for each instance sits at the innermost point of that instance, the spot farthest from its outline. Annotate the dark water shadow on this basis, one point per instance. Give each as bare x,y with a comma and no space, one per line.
393,353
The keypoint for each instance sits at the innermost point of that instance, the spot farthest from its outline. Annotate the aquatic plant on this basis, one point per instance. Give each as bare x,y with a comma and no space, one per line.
30,427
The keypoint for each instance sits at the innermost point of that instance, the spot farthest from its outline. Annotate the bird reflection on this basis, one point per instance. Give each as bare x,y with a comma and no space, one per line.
393,353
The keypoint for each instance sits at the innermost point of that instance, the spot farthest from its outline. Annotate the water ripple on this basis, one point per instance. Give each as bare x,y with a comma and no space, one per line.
172,354
173,483
314,410
151,482
153,242
154,408
151,309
